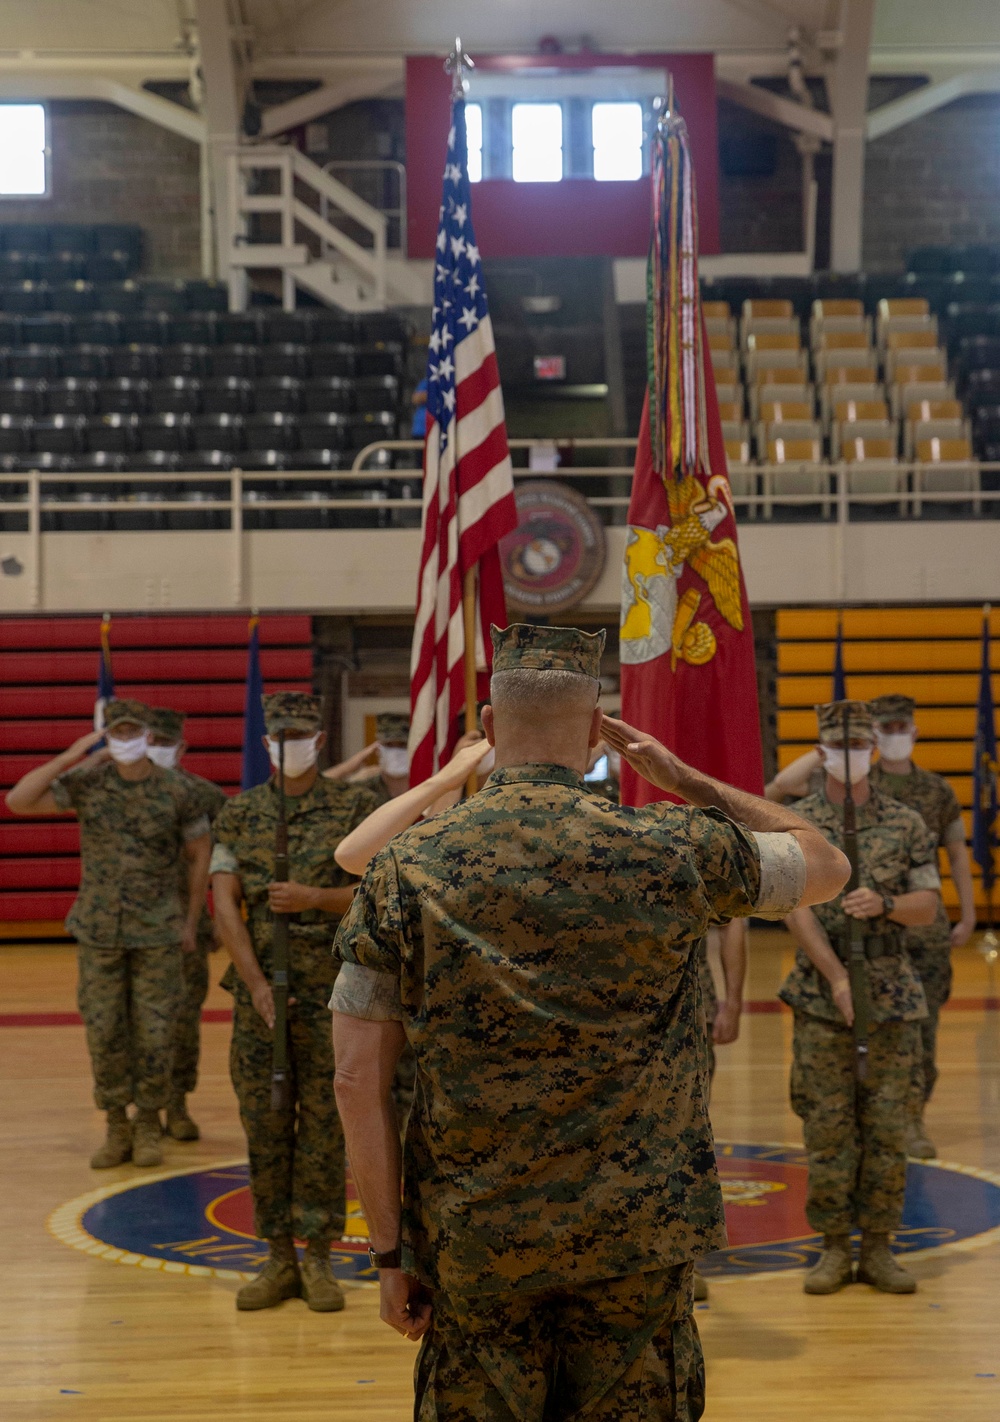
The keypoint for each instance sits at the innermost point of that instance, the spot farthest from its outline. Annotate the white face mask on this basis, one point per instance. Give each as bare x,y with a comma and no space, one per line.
166,757
488,761
836,763
128,752
394,761
898,746
300,756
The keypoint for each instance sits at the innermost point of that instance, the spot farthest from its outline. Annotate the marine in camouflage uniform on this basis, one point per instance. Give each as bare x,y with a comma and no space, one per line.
129,919
559,1174
855,1133
166,730
929,948
296,1157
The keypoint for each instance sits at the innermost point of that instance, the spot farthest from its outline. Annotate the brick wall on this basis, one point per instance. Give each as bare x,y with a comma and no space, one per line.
936,180
108,165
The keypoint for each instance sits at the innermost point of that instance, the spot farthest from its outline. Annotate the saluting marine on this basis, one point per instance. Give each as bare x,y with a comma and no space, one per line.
392,775
929,948
166,749
296,1155
855,1130
139,823
536,946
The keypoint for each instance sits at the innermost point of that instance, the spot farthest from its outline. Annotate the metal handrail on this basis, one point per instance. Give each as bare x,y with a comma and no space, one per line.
375,165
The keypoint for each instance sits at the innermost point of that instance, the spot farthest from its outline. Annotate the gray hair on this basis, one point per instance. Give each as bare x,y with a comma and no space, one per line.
543,694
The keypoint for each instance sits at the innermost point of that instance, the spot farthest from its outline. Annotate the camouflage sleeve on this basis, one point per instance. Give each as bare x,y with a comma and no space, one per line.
782,874
223,861
368,993
62,793
728,863
923,870
371,933
195,828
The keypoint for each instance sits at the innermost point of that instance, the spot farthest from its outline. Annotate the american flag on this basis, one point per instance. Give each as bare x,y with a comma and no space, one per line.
468,499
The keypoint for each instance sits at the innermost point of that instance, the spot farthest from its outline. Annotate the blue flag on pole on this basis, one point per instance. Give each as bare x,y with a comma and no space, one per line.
256,767
984,772
105,679
839,681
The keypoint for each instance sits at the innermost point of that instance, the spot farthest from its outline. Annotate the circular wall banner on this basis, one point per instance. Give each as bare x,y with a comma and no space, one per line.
200,1221
556,554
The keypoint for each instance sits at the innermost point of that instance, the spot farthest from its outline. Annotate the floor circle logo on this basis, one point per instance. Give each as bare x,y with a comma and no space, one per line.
200,1221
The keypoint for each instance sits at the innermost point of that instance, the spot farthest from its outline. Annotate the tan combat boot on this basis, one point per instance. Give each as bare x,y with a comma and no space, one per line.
117,1147
319,1288
833,1268
179,1124
278,1280
919,1145
878,1267
146,1135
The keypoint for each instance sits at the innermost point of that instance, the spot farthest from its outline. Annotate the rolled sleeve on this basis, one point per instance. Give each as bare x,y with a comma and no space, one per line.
223,861
367,993
955,832
60,792
195,829
923,876
782,874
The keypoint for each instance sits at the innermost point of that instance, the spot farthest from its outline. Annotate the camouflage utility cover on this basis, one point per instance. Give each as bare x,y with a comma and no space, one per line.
892,708
937,805
132,834
392,727
163,721
292,711
244,845
831,721
522,647
120,711
540,946
896,856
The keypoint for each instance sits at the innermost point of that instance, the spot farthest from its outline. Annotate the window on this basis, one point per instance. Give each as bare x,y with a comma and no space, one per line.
537,131
617,135
22,150
474,135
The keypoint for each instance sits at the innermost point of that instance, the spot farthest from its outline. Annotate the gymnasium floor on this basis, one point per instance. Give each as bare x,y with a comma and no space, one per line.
82,1337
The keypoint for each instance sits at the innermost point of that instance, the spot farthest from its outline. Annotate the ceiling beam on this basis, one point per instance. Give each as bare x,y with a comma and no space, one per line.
368,84
919,102
41,86
787,112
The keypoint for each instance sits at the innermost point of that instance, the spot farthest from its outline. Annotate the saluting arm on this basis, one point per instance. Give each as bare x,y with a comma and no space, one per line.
356,849
32,796
793,782
827,869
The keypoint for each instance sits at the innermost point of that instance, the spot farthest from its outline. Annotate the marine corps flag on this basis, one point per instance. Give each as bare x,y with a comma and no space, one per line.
687,659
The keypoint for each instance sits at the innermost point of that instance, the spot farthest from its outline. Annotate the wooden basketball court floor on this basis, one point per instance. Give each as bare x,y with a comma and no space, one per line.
85,1338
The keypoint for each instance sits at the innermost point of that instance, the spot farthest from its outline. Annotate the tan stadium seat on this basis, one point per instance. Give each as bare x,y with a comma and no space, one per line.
845,411
721,327
716,311
892,306
795,466
853,359
849,432
912,392
834,393
838,315
901,315
857,449
918,431
774,341
828,340
902,367
759,364
768,317
775,412
735,429
910,340
720,341
728,387
754,309
788,431
780,385
934,410
725,359
730,410
946,466
872,467
828,307
742,475
860,374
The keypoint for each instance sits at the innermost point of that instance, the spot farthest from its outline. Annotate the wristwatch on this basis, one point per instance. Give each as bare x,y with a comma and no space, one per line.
392,1259
888,904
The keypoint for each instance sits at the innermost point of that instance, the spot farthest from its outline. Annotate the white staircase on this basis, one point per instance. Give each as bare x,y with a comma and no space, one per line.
332,243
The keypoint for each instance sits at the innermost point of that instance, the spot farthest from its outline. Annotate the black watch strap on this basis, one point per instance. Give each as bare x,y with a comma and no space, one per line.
393,1259
888,904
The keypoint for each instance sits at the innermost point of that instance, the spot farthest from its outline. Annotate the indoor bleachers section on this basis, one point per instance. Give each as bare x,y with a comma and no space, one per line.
871,374
48,667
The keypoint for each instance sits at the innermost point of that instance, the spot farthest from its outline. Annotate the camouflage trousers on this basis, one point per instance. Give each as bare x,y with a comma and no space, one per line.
618,1350
933,965
128,1001
187,1024
855,1134
296,1158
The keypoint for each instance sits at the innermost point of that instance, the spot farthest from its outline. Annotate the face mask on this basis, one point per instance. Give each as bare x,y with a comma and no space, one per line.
836,763
165,757
128,752
895,747
394,761
300,756
488,761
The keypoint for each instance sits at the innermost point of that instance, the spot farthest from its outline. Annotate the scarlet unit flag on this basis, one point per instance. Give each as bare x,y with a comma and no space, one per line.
687,658
468,497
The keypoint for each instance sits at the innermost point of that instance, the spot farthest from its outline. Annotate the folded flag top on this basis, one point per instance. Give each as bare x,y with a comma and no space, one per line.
688,675
468,489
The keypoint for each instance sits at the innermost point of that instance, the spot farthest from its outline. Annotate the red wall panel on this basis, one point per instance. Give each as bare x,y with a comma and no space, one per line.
577,217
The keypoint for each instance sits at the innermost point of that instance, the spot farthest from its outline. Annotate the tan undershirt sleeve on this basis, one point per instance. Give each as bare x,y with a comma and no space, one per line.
368,993
782,874
955,833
